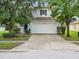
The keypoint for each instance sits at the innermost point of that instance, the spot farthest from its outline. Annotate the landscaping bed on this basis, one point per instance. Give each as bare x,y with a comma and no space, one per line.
9,45
19,37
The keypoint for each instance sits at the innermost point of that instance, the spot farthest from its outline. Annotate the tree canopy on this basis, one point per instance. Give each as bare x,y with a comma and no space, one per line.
64,10
12,11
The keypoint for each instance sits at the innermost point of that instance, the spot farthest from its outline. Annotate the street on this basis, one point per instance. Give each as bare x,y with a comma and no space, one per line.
40,55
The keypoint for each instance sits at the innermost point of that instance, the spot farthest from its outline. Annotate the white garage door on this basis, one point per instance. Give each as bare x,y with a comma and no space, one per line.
39,28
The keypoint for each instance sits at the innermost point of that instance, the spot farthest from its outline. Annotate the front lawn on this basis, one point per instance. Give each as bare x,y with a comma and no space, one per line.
8,45
73,33
18,38
73,36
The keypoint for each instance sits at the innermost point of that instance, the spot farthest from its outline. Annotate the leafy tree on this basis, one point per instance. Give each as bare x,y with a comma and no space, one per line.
15,11
64,10
6,14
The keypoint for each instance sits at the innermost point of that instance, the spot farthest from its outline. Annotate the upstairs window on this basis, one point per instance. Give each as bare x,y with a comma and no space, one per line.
43,12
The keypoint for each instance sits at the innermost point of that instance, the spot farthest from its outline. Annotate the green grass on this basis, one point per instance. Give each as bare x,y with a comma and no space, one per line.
73,33
73,36
1,32
8,45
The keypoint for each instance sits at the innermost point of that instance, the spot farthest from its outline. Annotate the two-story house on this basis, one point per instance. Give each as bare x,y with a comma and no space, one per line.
42,22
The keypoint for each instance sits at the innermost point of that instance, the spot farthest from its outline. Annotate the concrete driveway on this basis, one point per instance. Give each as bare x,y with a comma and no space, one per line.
46,42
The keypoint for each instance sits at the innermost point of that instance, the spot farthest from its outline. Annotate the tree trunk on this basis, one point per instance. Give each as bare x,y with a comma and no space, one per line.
10,23
9,26
68,34
62,28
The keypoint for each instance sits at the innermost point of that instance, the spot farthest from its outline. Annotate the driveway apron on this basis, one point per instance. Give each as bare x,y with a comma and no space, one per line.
46,42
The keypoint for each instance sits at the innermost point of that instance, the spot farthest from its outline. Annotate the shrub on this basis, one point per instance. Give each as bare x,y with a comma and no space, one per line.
78,34
63,30
16,30
28,31
9,35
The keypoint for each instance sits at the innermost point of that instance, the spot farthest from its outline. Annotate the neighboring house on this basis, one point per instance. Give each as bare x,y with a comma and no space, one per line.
42,22
74,26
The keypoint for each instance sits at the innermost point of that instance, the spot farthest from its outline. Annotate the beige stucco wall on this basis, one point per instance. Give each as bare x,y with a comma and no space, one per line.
74,27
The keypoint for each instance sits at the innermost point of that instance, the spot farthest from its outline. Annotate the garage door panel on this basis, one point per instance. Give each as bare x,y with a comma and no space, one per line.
43,28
